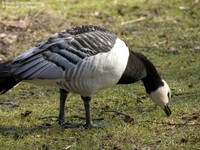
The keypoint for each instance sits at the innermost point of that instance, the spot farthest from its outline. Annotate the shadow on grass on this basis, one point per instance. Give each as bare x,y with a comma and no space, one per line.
19,132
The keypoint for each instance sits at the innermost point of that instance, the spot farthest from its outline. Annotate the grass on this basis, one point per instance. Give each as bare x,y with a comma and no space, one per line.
168,35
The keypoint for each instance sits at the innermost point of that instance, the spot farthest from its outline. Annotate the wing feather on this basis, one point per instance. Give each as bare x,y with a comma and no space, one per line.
61,52
29,72
27,66
48,71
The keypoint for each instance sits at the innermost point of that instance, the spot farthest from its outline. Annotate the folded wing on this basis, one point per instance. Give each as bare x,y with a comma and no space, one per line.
62,51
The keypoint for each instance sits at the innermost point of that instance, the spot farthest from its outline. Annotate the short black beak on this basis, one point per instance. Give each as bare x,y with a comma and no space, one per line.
167,110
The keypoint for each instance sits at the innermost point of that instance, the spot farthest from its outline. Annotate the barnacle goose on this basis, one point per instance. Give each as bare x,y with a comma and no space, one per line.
83,60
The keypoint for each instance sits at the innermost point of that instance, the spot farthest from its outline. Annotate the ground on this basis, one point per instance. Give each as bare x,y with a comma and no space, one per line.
167,32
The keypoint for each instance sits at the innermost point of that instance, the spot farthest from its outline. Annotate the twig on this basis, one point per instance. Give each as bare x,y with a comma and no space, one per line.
134,21
170,124
185,94
12,103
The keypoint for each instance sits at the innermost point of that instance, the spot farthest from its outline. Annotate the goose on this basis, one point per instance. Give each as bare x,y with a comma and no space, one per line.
82,60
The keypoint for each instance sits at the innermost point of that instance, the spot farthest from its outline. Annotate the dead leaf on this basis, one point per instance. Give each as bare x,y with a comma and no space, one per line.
26,113
138,99
190,86
129,120
45,147
17,136
195,117
183,140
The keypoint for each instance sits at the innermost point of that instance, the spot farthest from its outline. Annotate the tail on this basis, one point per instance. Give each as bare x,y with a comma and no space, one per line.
7,81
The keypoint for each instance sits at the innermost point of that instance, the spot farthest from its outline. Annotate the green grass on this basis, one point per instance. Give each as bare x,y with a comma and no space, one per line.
168,35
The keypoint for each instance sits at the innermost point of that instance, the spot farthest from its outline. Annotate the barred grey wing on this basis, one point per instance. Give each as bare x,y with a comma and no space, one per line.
62,51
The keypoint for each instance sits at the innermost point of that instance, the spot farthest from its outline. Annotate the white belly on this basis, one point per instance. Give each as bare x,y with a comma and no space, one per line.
98,71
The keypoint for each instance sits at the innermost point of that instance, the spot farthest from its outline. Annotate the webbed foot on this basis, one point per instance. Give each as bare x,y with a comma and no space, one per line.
70,125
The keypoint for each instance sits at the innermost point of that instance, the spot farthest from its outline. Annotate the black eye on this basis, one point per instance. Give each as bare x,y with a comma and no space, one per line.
168,95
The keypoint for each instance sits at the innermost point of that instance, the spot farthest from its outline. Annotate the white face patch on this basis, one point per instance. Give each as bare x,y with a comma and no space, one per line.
161,96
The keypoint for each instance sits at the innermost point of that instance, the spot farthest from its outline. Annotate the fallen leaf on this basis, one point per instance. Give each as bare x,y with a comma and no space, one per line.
183,140
129,120
17,136
190,85
195,117
26,113
45,147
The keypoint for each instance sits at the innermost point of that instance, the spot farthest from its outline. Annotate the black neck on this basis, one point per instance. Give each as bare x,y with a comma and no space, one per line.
152,80
135,70
140,68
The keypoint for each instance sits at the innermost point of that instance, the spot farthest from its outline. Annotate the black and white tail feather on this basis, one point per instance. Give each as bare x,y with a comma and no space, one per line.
82,60
7,80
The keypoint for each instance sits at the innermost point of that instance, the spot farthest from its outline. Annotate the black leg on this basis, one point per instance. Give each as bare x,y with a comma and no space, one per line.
86,101
61,117
63,96
89,123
